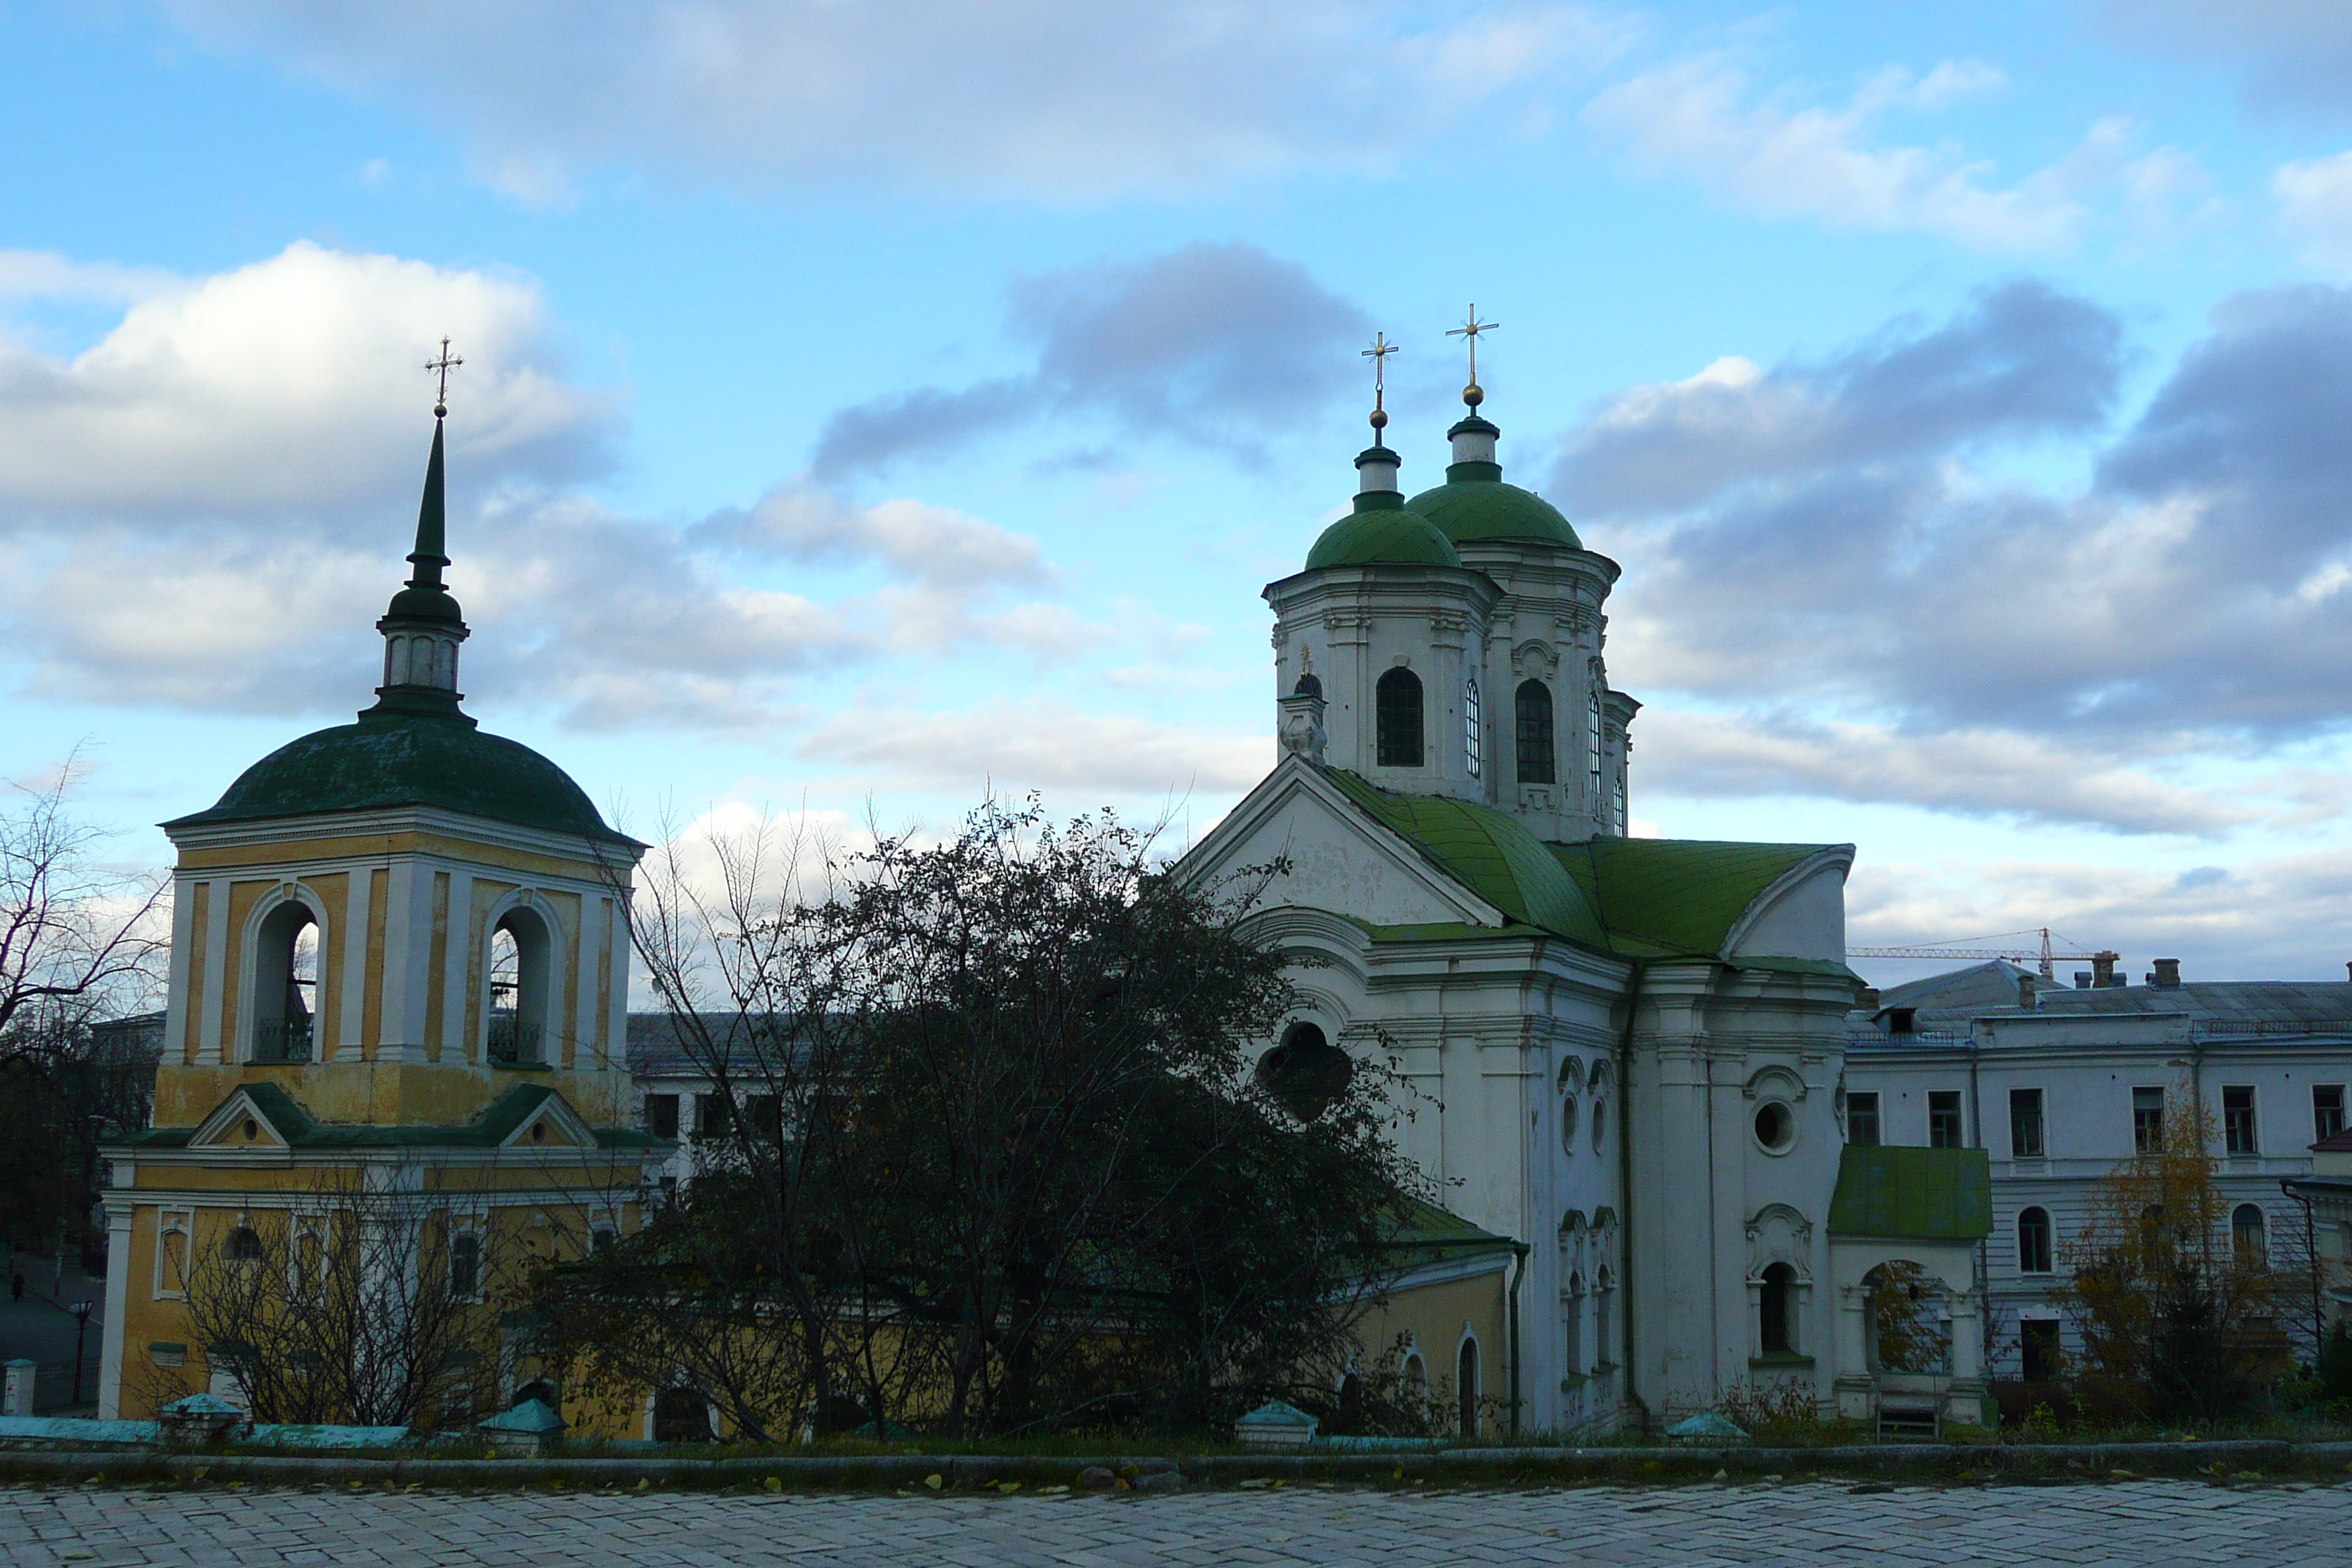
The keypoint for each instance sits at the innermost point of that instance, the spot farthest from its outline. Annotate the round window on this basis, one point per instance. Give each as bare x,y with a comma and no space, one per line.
1568,1123
1776,1126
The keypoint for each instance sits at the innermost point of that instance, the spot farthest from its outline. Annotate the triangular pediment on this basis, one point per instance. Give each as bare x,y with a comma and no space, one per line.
254,1116
542,1120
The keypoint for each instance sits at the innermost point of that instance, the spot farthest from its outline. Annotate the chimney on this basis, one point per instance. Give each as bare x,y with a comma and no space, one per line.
1867,997
2167,973
2083,978
2103,970
2028,997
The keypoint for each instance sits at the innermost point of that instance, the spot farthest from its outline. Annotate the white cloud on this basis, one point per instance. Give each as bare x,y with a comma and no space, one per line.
1059,100
294,383
1043,744
1697,118
45,275
2314,199
914,540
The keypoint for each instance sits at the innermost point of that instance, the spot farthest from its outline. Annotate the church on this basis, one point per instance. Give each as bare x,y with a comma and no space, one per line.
1625,1053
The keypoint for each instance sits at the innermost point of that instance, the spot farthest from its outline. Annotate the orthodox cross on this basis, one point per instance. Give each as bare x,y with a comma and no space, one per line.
1378,354
1470,330
449,361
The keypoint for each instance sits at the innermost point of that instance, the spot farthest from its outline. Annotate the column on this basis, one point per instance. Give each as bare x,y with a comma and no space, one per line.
119,1216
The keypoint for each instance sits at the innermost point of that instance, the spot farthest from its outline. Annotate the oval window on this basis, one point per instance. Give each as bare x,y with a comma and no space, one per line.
1776,1126
1568,1124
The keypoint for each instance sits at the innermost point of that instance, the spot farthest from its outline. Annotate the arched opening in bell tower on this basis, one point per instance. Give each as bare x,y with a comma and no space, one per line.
520,948
285,984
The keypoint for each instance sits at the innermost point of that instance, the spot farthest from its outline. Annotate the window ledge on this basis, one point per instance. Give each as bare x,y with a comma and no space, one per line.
521,1067
1780,1358
1572,1382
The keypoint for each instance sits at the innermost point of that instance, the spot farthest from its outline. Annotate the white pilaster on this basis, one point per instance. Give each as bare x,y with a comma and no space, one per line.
218,978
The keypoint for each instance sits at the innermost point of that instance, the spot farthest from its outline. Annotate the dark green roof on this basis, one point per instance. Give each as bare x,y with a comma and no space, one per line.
1415,1233
1927,1194
1381,532
302,1131
1676,895
1490,853
1475,504
396,759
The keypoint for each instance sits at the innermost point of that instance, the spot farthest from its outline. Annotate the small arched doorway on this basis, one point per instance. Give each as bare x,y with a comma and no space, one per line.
1466,1389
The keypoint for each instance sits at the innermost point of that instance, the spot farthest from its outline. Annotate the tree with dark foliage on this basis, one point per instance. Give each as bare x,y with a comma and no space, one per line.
996,1162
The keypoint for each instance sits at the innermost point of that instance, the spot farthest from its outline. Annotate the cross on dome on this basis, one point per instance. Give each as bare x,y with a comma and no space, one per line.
447,362
1473,394
1378,354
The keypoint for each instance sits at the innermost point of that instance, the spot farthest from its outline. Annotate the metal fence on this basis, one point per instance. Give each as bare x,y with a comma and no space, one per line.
53,1385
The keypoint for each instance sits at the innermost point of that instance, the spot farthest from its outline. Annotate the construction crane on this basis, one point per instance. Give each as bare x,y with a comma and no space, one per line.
2045,955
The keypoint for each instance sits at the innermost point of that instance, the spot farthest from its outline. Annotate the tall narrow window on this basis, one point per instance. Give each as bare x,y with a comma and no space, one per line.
1532,709
1571,1323
2033,1241
2025,1123
464,1266
2238,1132
1397,718
1470,737
1592,743
1774,1308
1943,1129
2038,1348
1862,1119
2326,1111
2147,1117
285,984
2246,1234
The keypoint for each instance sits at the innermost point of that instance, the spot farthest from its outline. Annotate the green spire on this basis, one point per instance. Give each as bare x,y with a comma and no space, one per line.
432,523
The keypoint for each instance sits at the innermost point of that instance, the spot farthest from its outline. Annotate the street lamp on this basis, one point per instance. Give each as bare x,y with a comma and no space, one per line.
80,1310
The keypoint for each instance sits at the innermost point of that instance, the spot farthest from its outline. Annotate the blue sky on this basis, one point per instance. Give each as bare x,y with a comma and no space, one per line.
869,404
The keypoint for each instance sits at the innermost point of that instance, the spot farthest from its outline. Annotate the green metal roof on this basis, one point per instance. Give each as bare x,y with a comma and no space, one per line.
1928,1194
1475,504
394,759
1381,532
1676,895
1418,1233
1490,853
302,1131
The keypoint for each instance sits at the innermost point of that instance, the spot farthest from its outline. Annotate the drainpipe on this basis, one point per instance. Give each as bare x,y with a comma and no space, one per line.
1519,1272
1625,1185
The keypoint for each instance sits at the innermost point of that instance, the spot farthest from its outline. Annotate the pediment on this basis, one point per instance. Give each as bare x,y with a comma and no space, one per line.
1340,859
551,1124
254,1116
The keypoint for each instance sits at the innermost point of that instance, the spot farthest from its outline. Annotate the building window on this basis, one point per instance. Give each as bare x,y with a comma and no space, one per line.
1465,1388
1776,1126
2238,1134
1862,1119
1568,1124
1532,709
1776,1307
1305,1073
285,984
711,1116
2025,1124
1571,1323
2147,1119
2033,1241
1617,816
1943,1119
661,1115
1600,1123
1604,1301
2246,1234
1397,718
1470,726
1592,741
521,953
466,1265
603,1240
2037,1340
244,1245
172,1255
1415,1375
2326,1111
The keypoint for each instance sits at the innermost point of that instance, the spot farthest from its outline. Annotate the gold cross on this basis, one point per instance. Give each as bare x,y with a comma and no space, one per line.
1470,330
449,361
1378,354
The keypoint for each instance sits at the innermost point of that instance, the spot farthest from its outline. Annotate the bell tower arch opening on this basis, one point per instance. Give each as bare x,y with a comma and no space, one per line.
285,984
523,949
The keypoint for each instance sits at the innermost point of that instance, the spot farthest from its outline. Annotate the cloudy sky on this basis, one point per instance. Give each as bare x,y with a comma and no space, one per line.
869,404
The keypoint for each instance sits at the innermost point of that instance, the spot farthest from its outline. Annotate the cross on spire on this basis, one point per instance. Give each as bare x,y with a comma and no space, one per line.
1378,354
1470,329
449,361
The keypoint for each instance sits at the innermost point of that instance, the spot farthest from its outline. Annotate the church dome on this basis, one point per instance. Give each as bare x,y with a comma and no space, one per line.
1474,505
392,759
1381,532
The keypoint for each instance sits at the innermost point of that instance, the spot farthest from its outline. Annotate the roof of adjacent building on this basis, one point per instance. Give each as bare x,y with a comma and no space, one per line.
1950,1002
1415,1233
1638,897
1927,1194
394,758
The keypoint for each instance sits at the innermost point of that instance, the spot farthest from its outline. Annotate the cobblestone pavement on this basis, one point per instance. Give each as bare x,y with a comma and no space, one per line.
2149,1524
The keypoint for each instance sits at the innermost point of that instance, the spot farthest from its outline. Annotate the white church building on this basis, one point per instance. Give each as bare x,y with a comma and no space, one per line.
1626,1053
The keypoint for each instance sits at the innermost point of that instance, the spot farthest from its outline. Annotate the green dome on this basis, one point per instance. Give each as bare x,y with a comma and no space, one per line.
1474,504
1381,532
393,759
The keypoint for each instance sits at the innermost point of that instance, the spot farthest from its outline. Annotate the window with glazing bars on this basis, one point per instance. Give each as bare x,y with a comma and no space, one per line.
1943,1119
2025,1123
1396,702
2239,1134
1532,709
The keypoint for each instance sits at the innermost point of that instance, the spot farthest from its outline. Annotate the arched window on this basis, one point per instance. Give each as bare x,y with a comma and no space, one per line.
1415,1377
1776,1308
1568,1123
520,952
1600,1124
284,984
1592,741
2246,1234
1397,701
1351,1402
2033,1241
244,1245
1470,726
542,1389
1465,1388
1306,1073
1532,708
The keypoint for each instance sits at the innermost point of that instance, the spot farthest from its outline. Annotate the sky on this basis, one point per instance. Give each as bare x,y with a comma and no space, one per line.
868,407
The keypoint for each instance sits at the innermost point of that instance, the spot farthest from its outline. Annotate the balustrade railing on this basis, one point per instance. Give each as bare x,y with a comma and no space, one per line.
281,1040
513,1043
